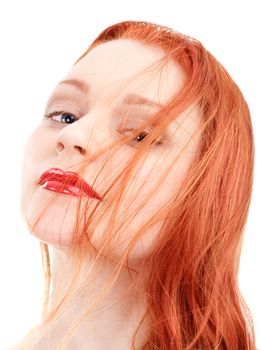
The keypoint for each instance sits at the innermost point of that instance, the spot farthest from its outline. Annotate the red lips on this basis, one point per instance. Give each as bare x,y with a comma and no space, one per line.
67,182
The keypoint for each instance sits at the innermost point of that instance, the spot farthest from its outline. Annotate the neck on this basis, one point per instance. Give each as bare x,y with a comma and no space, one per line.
114,310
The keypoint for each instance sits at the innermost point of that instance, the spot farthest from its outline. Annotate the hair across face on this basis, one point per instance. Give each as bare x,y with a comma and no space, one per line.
105,96
176,184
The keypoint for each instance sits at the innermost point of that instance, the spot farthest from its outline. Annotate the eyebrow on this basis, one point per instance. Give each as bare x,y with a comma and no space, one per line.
79,84
131,99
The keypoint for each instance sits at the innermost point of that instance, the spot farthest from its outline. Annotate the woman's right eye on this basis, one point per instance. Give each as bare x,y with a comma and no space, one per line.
65,117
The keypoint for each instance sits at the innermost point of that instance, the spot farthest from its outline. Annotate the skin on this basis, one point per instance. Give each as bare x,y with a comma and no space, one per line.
107,69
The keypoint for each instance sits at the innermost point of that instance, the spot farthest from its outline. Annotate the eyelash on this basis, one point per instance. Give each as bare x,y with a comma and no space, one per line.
63,113
56,113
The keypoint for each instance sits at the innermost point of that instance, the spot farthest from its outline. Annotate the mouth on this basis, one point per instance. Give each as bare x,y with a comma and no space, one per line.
66,182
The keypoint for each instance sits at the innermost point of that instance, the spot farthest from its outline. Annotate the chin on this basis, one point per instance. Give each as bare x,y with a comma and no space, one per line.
50,217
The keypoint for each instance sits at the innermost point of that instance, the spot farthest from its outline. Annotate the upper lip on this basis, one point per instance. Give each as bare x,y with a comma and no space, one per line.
68,177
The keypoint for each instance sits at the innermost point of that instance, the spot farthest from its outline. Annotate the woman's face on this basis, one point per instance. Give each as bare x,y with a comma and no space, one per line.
111,72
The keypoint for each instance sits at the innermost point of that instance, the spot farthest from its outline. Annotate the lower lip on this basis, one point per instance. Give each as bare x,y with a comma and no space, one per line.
61,188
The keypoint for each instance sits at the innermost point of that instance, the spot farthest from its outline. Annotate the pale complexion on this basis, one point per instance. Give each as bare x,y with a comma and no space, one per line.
105,70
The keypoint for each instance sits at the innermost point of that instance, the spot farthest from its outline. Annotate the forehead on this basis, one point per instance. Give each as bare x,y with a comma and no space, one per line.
124,65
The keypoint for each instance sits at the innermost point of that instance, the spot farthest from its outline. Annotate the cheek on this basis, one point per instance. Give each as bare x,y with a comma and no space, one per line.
36,152
32,164
159,195
27,171
138,205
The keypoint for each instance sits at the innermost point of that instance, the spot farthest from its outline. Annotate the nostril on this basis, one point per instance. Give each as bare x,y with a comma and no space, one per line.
60,146
82,150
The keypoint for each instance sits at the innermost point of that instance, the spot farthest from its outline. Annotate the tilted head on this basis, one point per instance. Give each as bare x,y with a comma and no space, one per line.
156,125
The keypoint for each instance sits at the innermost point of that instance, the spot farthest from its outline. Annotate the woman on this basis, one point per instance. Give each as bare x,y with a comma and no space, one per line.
138,180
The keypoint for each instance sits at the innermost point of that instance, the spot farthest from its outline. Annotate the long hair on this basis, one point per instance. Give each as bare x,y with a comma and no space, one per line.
191,291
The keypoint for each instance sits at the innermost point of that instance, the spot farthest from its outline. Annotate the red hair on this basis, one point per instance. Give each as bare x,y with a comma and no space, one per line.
192,296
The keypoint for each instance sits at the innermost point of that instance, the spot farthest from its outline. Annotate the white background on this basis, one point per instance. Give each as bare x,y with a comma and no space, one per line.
39,43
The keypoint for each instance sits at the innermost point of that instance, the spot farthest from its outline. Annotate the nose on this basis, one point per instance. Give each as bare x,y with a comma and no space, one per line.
80,149
71,140
76,140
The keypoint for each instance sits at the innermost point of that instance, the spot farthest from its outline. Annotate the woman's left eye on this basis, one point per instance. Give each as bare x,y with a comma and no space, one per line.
65,117
142,135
